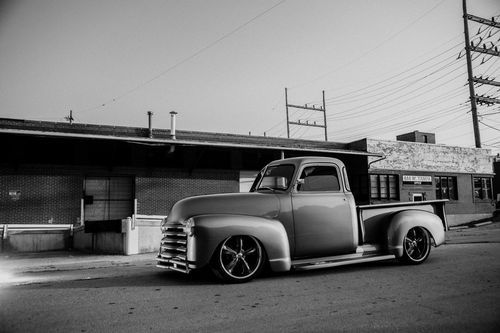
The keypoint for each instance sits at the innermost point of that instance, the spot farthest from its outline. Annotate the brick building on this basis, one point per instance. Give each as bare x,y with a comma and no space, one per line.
73,174
415,168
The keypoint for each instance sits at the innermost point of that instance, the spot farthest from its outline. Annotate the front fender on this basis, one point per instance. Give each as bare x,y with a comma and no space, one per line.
403,221
211,230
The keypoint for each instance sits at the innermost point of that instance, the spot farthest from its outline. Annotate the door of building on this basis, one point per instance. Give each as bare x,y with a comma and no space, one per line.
108,198
418,197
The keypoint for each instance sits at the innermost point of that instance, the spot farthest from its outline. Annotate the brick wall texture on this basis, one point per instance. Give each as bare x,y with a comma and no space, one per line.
54,195
156,193
40,198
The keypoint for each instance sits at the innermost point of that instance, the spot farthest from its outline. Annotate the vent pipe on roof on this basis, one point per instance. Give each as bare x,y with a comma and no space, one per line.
150,123
172,124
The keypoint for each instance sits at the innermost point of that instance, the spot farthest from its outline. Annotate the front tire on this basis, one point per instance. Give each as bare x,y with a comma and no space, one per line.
238,259
416,246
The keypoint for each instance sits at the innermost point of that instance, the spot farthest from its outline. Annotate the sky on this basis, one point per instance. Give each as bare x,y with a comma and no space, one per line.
387,67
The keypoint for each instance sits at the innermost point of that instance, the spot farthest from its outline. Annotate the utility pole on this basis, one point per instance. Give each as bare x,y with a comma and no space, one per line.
309,108
70,117
492,51
475,122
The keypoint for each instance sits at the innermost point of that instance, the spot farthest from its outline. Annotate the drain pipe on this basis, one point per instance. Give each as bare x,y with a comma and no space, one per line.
150,124
377,160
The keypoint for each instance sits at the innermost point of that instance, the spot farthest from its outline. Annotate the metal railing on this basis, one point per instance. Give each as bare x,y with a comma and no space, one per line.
144,220
7,229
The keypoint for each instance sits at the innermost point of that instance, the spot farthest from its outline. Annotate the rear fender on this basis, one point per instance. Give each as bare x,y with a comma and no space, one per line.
403,221
211,230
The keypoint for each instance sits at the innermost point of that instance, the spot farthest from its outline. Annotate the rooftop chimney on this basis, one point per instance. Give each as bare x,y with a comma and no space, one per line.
172,124
150,123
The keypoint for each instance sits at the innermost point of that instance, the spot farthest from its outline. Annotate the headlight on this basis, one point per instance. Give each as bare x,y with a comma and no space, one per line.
189,227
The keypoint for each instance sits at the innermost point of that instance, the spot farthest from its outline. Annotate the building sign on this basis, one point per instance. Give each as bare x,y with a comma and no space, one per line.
14,195
417,180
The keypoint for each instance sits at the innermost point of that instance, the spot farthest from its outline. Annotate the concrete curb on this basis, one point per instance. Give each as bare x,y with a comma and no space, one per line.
482,223
470,225
473,233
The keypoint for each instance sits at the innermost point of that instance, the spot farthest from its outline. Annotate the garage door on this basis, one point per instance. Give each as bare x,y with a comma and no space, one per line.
108,198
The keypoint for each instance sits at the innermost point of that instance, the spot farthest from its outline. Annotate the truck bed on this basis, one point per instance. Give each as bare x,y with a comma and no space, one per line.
372,219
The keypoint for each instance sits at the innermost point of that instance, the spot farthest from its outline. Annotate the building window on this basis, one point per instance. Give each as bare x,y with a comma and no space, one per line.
482,188
446,187
384,187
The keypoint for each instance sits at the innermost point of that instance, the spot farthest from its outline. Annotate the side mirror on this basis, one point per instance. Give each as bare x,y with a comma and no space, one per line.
299,184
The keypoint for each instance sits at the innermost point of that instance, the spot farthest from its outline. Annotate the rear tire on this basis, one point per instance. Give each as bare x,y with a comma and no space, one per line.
238,259
416,246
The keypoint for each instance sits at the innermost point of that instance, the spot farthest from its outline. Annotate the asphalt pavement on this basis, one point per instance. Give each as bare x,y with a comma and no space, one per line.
456,290
16,263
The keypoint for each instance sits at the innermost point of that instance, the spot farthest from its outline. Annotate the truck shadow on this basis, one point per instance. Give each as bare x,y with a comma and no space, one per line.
162,278
149,279
351,268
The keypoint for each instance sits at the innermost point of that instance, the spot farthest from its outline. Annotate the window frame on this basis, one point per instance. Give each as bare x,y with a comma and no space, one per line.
261,176
439,187
391,193
337,170
486,192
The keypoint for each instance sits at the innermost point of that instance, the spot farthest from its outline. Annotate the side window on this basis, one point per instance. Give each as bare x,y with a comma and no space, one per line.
483,188
384,187
446,187
319,178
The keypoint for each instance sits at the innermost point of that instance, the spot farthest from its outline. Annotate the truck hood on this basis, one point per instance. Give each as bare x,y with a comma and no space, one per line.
253,204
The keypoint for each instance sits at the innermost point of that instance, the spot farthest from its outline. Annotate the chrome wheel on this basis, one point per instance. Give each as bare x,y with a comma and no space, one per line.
239,259
416,245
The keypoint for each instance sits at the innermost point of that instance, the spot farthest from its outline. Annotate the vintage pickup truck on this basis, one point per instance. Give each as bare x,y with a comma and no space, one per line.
300,214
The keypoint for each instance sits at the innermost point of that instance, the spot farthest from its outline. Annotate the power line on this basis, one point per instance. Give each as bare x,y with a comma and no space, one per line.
188,58
389,101
405,123
494,128
390,92
374,48
437,100
362,91
398,120
361,94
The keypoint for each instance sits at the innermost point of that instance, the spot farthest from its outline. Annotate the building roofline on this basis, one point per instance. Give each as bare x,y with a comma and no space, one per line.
183,142
427,144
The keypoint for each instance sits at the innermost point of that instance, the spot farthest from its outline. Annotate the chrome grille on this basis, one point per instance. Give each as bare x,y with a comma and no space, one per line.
173,248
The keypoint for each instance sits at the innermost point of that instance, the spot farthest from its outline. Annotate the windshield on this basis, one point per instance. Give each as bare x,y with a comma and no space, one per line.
276,177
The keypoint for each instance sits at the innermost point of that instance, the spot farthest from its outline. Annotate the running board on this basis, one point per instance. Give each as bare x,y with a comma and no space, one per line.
302,265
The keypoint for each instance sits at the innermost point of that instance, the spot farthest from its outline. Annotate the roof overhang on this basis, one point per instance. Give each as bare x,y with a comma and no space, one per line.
181,142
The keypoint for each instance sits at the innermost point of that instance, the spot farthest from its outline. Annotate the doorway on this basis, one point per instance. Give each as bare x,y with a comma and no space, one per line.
108,198
418,197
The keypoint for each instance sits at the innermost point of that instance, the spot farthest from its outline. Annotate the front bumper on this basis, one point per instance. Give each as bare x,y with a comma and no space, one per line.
175,264
173,252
